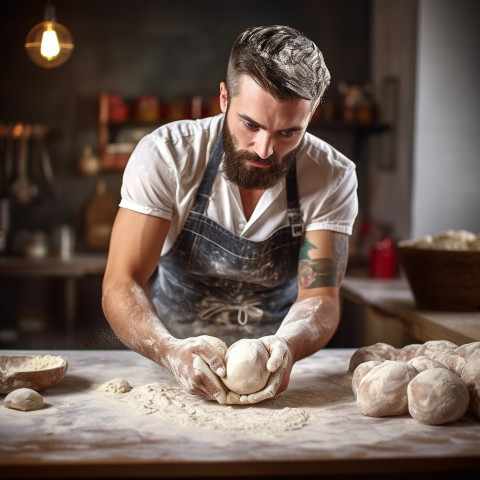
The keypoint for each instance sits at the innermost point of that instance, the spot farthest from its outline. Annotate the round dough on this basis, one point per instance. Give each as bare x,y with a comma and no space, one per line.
24,399
424,363
408,352
117,385
437,396
468,349
471,376
246,363
383,390
450,358
378,351
434,346
360,372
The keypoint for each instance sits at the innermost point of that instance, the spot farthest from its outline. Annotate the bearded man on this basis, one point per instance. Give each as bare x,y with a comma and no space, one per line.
235,226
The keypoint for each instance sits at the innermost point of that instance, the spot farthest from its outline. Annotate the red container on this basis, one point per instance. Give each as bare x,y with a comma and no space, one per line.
383,259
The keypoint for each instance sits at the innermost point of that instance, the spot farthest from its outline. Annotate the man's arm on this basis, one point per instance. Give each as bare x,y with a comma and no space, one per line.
135,247
313,318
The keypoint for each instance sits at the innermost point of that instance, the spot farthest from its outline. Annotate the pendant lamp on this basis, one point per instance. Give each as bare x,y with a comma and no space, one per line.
49,44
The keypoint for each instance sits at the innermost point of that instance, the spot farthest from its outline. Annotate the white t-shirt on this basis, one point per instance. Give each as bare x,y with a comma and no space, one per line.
165,170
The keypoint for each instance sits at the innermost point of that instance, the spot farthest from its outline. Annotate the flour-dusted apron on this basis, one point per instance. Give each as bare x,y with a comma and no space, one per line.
214,282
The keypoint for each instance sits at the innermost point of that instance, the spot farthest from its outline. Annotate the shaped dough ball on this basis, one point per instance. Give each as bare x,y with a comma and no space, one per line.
424,363
437,396
383,390
360,372
434,346
246,368
378,351
471,376
450,358
408,352
468,349
24,399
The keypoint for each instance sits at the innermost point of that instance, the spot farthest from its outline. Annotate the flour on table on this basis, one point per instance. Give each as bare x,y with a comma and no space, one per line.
190,411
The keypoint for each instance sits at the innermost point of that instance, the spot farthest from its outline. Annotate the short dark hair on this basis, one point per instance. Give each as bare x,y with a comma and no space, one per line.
281,60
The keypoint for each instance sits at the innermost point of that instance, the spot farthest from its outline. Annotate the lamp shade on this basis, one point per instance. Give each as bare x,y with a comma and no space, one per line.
49,44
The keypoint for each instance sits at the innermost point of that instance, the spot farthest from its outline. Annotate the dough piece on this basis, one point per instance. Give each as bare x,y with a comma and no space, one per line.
408,352
360,372
450,358
383,390
246,366
433,346
468,349
437,396
424,363
471,376
117,385
377,351
24,399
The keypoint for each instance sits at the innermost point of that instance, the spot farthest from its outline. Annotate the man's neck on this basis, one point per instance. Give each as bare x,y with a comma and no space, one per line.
250,199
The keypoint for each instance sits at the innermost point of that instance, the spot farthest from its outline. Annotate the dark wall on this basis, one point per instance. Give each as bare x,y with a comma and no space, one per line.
171,49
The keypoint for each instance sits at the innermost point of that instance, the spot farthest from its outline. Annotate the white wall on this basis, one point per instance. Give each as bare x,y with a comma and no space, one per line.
446,157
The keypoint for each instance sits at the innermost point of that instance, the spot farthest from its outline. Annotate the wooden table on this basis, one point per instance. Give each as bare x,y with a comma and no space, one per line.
84,432
391,301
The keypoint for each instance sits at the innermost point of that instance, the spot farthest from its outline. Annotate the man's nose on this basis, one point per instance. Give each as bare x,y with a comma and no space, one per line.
263,145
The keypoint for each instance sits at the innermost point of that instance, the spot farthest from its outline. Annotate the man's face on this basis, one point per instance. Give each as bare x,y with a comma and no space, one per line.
261,135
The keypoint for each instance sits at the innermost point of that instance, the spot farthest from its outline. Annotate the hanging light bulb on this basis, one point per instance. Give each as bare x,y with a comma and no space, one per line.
49,44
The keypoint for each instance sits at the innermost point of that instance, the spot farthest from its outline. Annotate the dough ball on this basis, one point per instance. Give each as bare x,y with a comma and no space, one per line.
468,349
471,376
377,351
383,390
246,362
437,396
408,352
433,346
360,372
424,363
117,385
24,399
450,358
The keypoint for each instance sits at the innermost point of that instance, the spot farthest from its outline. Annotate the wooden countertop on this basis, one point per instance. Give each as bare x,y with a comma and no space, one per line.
83,432
394,298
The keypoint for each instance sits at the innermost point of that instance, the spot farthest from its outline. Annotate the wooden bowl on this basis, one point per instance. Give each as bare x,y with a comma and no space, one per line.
37,372
444,280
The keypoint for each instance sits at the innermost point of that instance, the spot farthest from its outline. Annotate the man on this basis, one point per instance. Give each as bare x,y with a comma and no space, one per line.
235,226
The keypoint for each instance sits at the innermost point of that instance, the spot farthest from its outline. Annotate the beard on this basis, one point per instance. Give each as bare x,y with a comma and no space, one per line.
249,177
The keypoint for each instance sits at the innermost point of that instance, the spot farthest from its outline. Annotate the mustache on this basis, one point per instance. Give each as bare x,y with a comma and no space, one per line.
253,157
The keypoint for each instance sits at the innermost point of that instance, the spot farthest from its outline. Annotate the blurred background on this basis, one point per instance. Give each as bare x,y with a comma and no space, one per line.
403,105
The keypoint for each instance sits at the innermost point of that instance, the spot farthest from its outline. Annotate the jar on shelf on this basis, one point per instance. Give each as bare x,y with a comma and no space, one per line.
118,110
146,108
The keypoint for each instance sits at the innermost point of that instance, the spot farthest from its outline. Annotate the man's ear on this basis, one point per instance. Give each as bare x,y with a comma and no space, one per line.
223,97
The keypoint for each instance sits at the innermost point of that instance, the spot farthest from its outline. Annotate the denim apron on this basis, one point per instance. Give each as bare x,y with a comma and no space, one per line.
214,282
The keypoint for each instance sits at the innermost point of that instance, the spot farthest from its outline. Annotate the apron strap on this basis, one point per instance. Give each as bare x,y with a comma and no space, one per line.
293,206
203,194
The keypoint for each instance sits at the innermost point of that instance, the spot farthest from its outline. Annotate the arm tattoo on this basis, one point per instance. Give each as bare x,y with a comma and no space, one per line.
323,272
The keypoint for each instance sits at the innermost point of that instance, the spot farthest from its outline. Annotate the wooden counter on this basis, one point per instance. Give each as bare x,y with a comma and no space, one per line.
391,301
84,432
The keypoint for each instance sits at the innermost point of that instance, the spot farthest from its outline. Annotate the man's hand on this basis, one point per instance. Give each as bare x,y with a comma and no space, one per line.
196,363
279,364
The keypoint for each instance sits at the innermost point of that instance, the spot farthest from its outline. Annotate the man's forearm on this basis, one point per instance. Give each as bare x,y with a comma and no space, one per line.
310,324
133,318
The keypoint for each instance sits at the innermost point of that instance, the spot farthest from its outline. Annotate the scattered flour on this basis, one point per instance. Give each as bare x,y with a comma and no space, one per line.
117,385
190,411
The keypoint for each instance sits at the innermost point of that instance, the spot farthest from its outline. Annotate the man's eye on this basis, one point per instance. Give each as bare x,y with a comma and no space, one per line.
286,134
249,125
